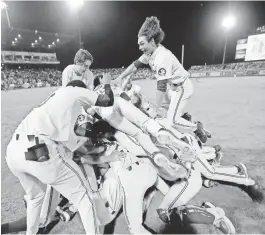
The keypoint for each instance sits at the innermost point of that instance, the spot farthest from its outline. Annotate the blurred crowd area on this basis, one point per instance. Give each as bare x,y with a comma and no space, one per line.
30,78
115,72
233,66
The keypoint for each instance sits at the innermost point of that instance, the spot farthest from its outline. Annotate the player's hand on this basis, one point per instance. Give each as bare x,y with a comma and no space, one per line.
106,78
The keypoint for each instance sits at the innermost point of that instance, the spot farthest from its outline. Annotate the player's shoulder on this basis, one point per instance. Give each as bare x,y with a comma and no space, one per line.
69,67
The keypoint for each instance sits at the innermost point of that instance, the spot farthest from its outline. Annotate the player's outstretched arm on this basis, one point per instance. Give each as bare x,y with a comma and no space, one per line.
129,70
106,99
126,81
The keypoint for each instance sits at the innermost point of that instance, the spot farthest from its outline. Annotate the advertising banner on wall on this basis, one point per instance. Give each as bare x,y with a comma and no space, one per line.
255,47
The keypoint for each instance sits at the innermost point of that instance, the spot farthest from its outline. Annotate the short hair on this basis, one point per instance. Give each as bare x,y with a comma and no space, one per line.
82,55
77,83
151,30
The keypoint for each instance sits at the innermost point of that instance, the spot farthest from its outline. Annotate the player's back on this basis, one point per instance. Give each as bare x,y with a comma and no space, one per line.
56,116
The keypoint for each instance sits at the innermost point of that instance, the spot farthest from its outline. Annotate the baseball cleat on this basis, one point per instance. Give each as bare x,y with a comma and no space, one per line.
48,228
67,214
200,133
242,169
217,160
217,148
221,221
254,191
186,116
209,183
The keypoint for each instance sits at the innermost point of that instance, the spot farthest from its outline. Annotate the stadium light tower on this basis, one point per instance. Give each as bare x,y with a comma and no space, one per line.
76,5
3,6
228,23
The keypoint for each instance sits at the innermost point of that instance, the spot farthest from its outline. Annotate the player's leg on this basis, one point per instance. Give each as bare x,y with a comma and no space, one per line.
179,96
35,191
179,99
80,195
137,117
173,206
62,174
166,169
109,199
180,193
124,125
233,174
14,226
51,200
129,143
135,180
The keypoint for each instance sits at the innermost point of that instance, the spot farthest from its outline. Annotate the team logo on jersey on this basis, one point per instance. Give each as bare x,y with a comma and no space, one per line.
162,72
81,118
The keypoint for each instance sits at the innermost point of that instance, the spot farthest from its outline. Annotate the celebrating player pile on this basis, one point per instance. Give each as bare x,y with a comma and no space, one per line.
102,150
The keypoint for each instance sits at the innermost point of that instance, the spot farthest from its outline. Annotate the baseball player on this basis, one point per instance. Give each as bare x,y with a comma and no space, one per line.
126,181
168,70
178,195
134,183
39,152
79,70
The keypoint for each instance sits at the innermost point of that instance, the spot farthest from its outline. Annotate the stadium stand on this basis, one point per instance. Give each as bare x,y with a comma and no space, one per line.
30,78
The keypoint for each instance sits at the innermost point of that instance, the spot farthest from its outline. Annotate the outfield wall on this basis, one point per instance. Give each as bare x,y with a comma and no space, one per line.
228,73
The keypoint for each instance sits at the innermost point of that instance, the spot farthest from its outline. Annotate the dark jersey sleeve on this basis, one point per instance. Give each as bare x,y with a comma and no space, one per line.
107,99
138,64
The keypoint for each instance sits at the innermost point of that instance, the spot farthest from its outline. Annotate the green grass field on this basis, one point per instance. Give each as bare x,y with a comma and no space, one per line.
233,109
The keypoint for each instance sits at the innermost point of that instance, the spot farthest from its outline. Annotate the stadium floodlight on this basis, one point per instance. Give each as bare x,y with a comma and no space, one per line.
74,4
36,41
15,39
19,36
40,38
3,5
53,43
58,40
32,44
229,22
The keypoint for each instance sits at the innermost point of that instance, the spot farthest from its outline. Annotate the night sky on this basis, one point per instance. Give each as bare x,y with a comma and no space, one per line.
109,29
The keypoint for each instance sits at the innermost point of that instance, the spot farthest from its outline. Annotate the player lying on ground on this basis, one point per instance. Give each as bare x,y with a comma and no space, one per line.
130,120
39,152
181,197
233,174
